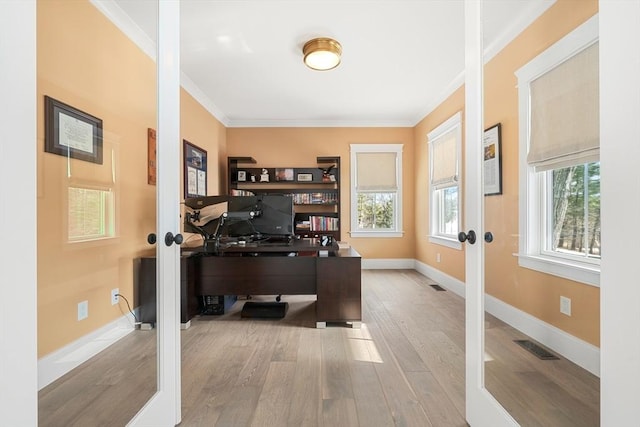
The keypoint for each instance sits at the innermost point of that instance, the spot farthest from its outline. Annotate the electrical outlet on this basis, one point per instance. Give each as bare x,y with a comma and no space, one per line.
83,310
114,296
438,257
565,306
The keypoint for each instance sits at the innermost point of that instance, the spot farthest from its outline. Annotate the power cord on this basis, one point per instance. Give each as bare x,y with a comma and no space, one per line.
128,306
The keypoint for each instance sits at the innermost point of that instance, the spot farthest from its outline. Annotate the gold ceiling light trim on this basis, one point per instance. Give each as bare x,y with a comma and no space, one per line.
322,54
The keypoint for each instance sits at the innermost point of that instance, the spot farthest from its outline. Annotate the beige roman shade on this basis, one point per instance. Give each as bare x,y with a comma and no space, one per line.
376,172
565,114
444,169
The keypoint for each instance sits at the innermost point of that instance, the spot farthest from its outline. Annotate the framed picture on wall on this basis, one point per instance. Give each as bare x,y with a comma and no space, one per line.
492,160
195,170
71,133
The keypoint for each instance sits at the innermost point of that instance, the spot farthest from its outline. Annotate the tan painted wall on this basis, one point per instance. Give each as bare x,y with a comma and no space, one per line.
84,61
299,147
535,293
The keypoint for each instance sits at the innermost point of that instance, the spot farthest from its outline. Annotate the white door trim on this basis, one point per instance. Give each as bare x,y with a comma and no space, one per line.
482,409
164,407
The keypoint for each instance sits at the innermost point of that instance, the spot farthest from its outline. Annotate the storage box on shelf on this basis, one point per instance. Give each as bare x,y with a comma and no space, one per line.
315,191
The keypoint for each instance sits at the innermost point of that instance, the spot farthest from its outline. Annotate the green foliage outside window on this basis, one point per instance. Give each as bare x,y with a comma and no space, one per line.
376,211
576,210
90,214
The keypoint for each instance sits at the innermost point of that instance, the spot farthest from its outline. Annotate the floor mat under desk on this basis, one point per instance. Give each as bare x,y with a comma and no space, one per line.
265,310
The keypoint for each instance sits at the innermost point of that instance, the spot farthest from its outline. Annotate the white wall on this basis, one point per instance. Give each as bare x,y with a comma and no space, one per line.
619,159
18,356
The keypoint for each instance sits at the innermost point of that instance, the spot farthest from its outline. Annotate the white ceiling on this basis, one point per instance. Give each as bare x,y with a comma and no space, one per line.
243,59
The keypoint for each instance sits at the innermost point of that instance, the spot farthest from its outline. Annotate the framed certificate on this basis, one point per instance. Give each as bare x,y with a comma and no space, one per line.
71,133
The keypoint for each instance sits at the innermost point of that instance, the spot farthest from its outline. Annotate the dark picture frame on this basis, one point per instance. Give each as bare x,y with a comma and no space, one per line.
195,170
492,165
70,132
304,177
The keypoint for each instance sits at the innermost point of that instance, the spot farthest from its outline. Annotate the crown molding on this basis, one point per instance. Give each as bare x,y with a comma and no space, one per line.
120,19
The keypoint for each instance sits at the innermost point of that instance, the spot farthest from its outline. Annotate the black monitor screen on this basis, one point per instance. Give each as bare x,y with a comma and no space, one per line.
276,215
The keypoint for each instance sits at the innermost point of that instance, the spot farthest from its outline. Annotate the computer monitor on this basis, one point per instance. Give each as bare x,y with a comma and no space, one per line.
275,216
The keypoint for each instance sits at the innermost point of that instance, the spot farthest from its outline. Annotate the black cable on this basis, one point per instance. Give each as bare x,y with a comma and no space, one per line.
130,311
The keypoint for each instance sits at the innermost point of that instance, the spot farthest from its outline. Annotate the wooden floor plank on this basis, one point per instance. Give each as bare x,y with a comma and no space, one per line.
306,405
336,382
277,392
339,412
437,405
405,366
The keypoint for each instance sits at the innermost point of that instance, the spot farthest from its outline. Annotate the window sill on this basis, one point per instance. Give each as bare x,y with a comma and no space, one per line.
587,274
444,241
376,234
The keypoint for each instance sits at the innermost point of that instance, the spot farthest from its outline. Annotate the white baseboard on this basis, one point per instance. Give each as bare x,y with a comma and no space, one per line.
388,264
451,283
580,352
56,364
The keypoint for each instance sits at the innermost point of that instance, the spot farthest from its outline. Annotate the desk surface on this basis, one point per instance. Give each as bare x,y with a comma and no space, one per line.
295,245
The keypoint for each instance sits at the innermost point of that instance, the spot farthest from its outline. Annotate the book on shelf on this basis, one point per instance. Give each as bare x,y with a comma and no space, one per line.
323,223
317,198
236,192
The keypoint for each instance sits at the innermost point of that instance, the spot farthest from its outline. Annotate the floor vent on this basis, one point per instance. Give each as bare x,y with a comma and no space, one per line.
538,351
438,287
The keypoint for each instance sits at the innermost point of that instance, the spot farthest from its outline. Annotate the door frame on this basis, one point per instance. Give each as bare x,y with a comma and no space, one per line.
18,215
164,408
482,409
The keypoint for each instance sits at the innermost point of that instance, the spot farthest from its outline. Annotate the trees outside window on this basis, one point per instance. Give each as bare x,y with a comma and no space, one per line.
575,223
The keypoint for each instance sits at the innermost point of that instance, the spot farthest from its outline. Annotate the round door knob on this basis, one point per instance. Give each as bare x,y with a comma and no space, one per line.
151,238
469,237
488,237
170,239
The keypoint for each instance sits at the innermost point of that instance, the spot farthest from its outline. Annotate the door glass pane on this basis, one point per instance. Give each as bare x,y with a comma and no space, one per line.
96,101
526,328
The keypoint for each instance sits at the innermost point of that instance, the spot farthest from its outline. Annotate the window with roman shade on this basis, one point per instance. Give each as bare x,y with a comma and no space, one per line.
376,171
376,190
559,197
445,143
565,113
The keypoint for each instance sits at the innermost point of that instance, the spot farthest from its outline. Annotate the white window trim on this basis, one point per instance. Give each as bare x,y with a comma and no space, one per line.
446,126
376,148
531,206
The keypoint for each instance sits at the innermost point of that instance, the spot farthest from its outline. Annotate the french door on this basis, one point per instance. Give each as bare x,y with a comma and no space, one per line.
163,409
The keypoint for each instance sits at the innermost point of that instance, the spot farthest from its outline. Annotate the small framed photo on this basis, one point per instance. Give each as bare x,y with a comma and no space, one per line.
195,170
492,142
242,175
284,174
72,133
305,177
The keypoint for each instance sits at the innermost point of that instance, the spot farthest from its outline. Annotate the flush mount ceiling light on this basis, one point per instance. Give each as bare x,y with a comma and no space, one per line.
322,53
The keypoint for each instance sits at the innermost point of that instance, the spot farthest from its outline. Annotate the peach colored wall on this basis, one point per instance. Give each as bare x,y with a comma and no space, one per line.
451,260
85,61
535,293
299,147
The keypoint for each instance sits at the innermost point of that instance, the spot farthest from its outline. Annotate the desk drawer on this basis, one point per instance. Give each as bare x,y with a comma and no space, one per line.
261,275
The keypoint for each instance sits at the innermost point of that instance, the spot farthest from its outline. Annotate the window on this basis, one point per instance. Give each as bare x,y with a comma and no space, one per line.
91,214
445,143
376,190
558,95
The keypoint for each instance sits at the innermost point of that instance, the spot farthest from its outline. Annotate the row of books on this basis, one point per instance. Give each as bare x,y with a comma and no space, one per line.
315,198
236,192
318,223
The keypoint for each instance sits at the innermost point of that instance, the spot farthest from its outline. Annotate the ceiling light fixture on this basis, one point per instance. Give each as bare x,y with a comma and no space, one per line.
322,54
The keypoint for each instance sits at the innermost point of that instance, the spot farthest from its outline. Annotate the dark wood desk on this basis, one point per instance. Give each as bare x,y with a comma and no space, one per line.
301,268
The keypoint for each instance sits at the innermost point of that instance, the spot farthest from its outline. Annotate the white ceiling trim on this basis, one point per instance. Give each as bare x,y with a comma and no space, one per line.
515,28
320,123
119,18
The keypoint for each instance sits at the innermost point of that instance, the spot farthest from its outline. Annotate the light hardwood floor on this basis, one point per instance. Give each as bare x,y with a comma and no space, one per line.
404,367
